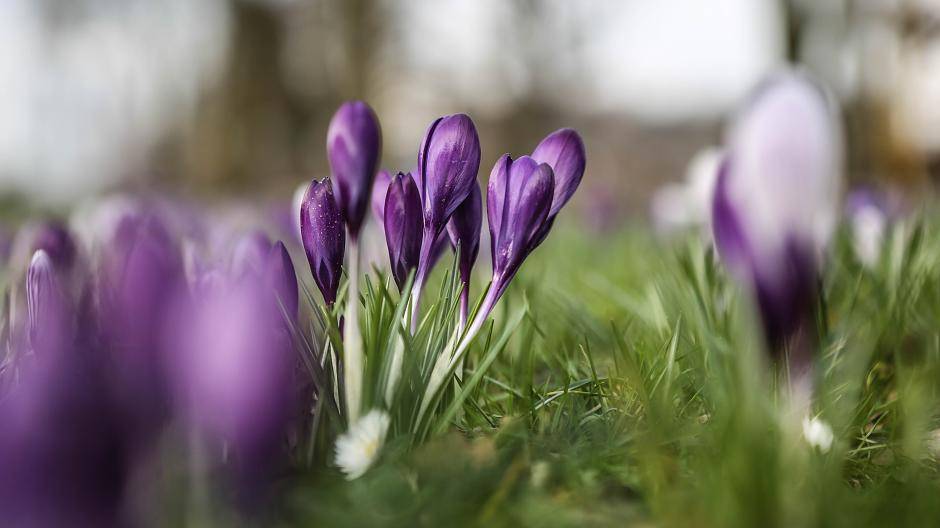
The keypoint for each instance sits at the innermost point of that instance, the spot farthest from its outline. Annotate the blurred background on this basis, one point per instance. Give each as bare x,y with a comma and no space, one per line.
221,98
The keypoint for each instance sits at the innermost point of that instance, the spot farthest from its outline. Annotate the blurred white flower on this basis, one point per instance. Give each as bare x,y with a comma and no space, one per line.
358,448
817,433
679,206
868,233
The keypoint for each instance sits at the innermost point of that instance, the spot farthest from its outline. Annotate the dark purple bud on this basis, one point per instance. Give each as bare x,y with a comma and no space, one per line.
379,191
775,198
563,151
324,237
353,146
518,202
47,305
250,254
448,163
403,226
464,231
281,279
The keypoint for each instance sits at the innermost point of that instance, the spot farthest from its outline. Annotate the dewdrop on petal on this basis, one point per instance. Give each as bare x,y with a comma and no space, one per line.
817,433
359,447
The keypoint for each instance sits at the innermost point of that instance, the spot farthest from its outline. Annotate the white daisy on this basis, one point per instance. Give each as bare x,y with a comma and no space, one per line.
357,448
817,433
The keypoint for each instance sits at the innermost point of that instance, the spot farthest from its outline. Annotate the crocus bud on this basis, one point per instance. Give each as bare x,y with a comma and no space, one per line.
871,215
403,226
324,237
448,163
353,146
775,199
518,202
46,304
464,231
281,279
563,151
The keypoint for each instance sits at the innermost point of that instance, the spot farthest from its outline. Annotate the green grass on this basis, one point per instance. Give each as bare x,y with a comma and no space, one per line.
635,390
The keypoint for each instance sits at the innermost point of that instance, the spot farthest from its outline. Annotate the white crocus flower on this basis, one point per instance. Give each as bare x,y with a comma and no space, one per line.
868,233
817,433
359,447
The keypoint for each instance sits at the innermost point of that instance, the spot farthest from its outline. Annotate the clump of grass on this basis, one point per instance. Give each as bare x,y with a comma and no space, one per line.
627,382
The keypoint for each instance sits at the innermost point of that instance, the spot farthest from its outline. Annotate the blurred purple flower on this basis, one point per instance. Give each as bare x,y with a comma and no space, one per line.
231,372
403,226
141,273
324,237
775,199
62,447
354,145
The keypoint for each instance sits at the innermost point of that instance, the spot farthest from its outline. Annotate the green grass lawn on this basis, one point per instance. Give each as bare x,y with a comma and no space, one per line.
637,391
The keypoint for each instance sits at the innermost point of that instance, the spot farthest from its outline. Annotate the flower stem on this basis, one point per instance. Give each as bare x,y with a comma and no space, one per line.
352,345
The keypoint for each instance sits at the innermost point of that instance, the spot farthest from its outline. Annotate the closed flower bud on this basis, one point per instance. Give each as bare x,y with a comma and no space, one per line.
563,151
448,163
324,237
518,201
403,226
353,146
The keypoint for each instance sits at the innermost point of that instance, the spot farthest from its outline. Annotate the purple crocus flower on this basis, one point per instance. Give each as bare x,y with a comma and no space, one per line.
518,203
448,162
403,226
324,237
464,232
353,146
231,373
563,151
141,274
775,201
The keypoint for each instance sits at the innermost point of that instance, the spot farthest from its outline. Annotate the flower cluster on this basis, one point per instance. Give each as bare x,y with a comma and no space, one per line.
420,210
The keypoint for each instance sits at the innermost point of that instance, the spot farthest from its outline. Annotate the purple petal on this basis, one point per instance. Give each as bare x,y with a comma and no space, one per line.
403,226
354,144
563,151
